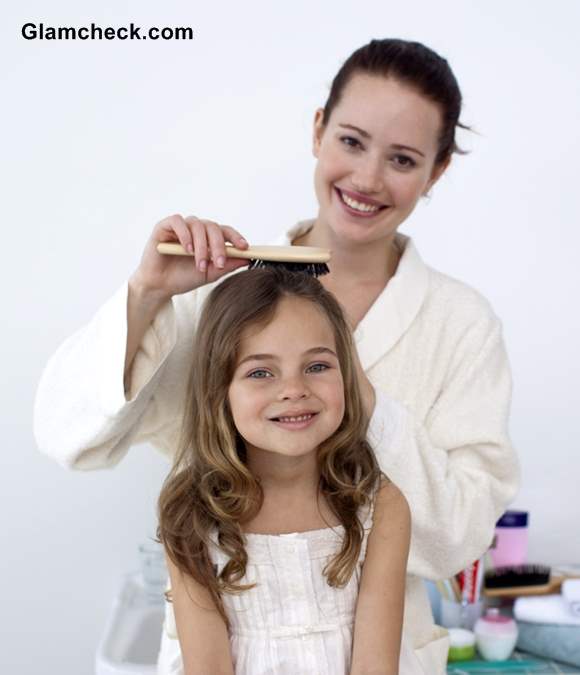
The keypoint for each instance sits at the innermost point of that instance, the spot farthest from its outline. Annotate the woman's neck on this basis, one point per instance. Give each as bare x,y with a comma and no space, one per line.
371,264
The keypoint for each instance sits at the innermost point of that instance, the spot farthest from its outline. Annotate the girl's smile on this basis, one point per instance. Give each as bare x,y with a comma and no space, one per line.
287,392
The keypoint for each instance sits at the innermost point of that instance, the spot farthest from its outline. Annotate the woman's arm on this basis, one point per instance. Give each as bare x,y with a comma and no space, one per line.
457,467
83,418
379,612
202,633
142,308
120,380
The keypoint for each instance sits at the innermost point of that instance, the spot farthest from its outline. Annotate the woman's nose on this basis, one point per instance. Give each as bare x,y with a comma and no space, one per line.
368,176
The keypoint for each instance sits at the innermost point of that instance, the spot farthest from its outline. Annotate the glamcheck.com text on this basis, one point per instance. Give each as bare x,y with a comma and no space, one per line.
33,31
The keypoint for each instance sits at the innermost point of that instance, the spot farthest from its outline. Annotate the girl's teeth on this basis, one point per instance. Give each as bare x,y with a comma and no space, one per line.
295,419
357,205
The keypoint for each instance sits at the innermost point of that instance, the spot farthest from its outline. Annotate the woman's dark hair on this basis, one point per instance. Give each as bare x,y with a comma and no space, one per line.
414,64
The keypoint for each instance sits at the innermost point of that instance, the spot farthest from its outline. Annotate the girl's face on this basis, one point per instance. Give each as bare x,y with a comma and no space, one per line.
287,370
379,149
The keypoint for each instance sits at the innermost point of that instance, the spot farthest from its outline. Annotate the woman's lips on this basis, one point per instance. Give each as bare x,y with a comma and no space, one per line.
354,212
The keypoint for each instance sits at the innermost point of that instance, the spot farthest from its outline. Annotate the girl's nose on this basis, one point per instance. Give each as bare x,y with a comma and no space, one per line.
293,388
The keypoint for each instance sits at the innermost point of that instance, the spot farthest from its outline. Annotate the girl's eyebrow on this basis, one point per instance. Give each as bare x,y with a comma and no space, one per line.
263,357
395,146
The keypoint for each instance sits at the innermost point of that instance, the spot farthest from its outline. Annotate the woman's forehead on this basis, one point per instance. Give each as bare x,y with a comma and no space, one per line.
389,110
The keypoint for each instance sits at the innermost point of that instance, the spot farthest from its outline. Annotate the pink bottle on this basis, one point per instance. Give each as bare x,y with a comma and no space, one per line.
510,545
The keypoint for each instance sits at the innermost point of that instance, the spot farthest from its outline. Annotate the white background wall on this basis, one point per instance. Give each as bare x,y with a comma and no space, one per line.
102,140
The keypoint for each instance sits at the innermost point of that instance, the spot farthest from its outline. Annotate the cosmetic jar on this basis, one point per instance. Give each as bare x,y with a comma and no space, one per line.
461,645
495,635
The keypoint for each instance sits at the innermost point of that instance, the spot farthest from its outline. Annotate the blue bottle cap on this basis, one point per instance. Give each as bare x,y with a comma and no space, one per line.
513,519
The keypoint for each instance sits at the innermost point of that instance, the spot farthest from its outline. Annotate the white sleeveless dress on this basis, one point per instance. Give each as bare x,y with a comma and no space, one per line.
292,622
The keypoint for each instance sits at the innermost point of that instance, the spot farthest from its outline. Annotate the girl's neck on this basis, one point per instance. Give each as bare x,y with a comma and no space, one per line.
287,477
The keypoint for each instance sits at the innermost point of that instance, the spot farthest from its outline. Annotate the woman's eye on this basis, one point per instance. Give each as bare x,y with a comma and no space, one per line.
319,365
257,374
346,140
404,161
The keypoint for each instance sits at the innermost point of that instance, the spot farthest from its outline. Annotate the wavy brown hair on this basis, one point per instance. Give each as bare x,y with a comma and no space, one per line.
209,486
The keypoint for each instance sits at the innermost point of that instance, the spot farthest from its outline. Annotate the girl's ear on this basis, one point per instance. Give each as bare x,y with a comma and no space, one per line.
317,131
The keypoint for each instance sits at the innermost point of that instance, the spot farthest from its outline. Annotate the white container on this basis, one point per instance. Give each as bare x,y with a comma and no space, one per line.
495,635
456,615
132,638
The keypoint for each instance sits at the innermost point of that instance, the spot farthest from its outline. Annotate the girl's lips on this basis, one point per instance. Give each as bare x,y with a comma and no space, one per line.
354,212
295,426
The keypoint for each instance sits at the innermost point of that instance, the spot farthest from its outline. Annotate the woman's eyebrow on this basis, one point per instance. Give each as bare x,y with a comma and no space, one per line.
395,146
263,357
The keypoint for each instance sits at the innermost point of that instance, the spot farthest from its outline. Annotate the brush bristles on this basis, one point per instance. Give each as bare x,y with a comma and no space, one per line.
313,269
520,575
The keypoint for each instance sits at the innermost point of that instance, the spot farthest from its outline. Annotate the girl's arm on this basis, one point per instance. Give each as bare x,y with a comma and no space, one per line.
379,612
202,633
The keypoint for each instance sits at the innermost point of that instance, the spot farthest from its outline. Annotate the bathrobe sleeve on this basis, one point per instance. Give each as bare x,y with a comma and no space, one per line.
83,418
457,467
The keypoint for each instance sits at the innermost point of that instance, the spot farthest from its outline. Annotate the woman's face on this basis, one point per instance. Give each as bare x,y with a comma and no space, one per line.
378,149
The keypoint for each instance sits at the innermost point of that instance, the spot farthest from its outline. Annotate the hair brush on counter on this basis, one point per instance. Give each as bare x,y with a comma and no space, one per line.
521,580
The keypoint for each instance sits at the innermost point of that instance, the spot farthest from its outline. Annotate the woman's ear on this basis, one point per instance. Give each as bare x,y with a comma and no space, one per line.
436,173
317,131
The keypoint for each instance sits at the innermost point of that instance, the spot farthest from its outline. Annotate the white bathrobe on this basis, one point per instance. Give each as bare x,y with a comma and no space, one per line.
431,346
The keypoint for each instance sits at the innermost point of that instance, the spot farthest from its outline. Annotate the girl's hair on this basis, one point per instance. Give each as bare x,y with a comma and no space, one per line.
210,486
414,64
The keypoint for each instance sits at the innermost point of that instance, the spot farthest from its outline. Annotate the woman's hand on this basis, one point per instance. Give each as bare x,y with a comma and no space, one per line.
163,276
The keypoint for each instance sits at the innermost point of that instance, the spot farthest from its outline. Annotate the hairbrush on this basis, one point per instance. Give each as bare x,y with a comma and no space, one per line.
308,259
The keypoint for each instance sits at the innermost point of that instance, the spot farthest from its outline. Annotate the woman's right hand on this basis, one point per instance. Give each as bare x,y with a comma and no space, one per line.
166,275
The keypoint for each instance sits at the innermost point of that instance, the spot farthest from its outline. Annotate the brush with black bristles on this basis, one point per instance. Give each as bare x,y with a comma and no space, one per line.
308,259
529,579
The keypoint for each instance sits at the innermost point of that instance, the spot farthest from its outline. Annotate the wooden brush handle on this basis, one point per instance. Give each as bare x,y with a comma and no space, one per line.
305,254
553,586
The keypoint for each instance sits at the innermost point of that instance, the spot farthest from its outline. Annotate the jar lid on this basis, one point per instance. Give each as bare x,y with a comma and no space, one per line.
493,616
513,519
461,637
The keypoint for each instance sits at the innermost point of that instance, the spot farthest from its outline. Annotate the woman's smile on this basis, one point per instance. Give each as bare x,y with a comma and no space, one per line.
358,208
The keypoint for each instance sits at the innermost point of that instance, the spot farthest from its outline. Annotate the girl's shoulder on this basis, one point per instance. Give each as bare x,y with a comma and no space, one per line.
390,507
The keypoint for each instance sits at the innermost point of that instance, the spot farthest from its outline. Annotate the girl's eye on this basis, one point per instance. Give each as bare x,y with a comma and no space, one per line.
346,140
257,374
317,365
262,374
405,162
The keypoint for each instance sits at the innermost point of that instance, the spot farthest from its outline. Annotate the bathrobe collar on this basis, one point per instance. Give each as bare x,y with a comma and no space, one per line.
396,307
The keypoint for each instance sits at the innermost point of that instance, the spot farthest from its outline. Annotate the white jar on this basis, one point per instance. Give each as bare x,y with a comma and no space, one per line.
495,635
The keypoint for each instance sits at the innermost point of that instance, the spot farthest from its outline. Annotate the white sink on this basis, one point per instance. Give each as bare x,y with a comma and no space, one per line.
132,637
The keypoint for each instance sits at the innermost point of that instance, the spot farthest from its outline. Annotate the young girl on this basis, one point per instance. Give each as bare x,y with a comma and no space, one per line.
275,495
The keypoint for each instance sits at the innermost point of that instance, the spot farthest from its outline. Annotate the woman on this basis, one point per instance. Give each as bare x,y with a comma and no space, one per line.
433,367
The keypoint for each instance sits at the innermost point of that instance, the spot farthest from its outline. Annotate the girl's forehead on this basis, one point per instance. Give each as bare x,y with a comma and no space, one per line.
295,321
